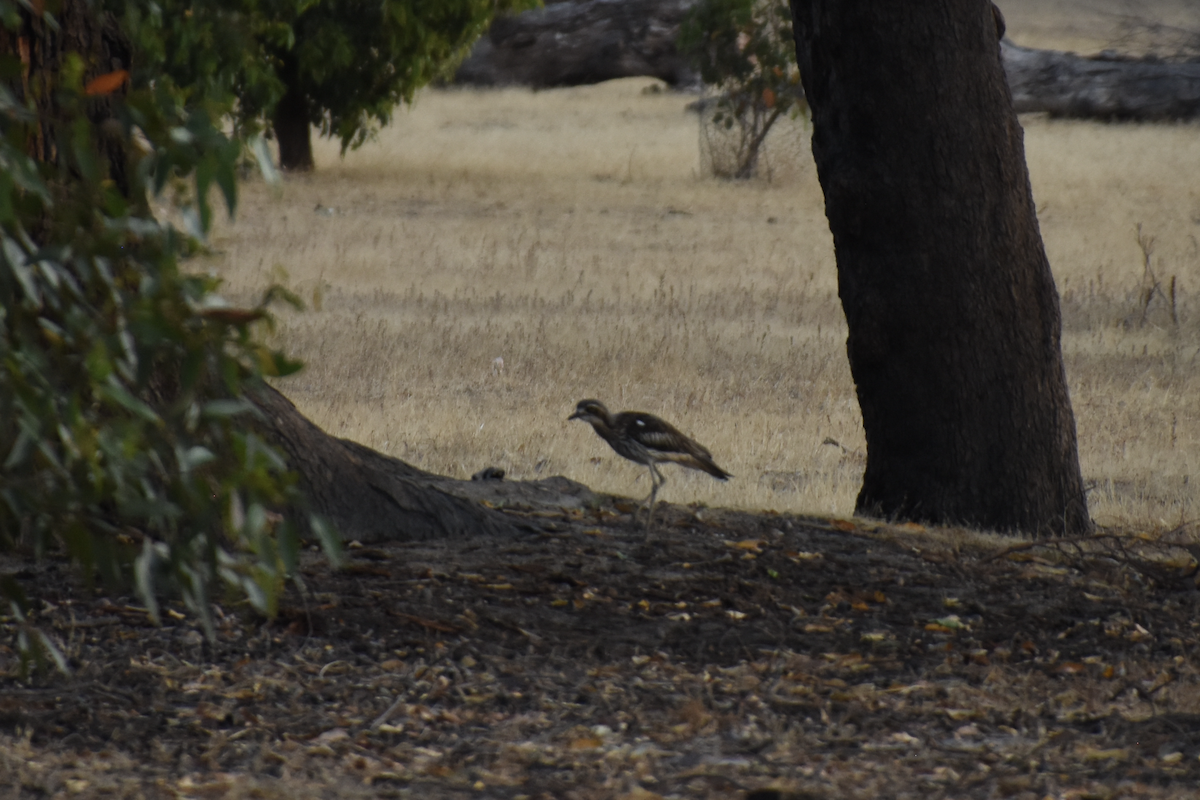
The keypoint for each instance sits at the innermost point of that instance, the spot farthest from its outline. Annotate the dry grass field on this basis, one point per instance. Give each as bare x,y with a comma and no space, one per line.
569,233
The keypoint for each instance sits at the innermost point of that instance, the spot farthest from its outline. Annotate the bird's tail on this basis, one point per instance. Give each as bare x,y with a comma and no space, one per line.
710,466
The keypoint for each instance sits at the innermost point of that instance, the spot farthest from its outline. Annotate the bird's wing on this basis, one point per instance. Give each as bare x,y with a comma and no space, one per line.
656,434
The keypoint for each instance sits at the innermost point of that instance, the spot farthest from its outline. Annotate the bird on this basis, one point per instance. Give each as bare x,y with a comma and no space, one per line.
646,439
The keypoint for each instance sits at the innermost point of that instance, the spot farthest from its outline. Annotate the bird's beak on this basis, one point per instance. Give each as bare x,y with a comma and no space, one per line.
576,415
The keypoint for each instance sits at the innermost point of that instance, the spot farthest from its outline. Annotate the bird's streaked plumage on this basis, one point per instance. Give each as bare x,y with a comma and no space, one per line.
646,439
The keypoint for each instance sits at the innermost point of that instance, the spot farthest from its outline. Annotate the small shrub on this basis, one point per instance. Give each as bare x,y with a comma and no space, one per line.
744,49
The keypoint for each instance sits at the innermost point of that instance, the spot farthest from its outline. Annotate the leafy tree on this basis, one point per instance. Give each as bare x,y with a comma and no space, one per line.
745,49
340,65
127,438
219,53
354,61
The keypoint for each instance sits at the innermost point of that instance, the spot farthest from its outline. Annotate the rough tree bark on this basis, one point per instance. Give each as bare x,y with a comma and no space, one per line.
369,496
574,42
372,497
41,46
293,129
953,315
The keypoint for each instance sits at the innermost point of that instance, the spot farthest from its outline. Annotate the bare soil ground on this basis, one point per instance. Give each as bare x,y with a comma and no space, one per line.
729,655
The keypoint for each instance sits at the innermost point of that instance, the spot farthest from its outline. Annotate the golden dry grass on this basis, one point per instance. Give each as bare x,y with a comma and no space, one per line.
569,233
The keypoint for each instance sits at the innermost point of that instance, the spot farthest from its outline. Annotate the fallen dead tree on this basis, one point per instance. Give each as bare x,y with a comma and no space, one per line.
582,42
577,42
372,497
1104,86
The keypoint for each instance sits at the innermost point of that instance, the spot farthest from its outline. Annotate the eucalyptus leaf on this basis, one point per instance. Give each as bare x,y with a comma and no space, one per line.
262,155
225,408
115,392
330,541
197,456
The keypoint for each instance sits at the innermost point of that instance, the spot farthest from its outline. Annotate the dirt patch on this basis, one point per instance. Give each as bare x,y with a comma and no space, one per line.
730,655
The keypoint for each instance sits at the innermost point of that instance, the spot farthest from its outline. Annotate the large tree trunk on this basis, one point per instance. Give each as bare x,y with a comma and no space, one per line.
582,42
291,123
953,315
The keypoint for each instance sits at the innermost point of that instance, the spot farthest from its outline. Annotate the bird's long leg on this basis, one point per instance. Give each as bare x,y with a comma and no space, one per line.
646,501
657,479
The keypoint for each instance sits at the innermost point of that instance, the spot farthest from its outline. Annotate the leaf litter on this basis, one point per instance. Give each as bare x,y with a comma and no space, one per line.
729,655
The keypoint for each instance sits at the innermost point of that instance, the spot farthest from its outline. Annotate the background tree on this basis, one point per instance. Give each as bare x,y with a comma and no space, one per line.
745,50
354,61
339,65
216,53
954,322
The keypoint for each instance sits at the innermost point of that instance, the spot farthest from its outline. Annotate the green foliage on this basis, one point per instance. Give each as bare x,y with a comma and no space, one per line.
126,436
353,61
745,49
356,61
216,52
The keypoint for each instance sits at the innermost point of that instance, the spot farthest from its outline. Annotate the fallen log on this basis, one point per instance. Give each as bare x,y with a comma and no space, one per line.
581,42
366,495
1105,86
372,497
574,42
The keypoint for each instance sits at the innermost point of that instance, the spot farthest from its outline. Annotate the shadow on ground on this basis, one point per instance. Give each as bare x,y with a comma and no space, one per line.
729,655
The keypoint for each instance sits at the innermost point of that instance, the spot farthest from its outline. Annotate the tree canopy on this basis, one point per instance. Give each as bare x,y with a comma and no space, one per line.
355,60
339,65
